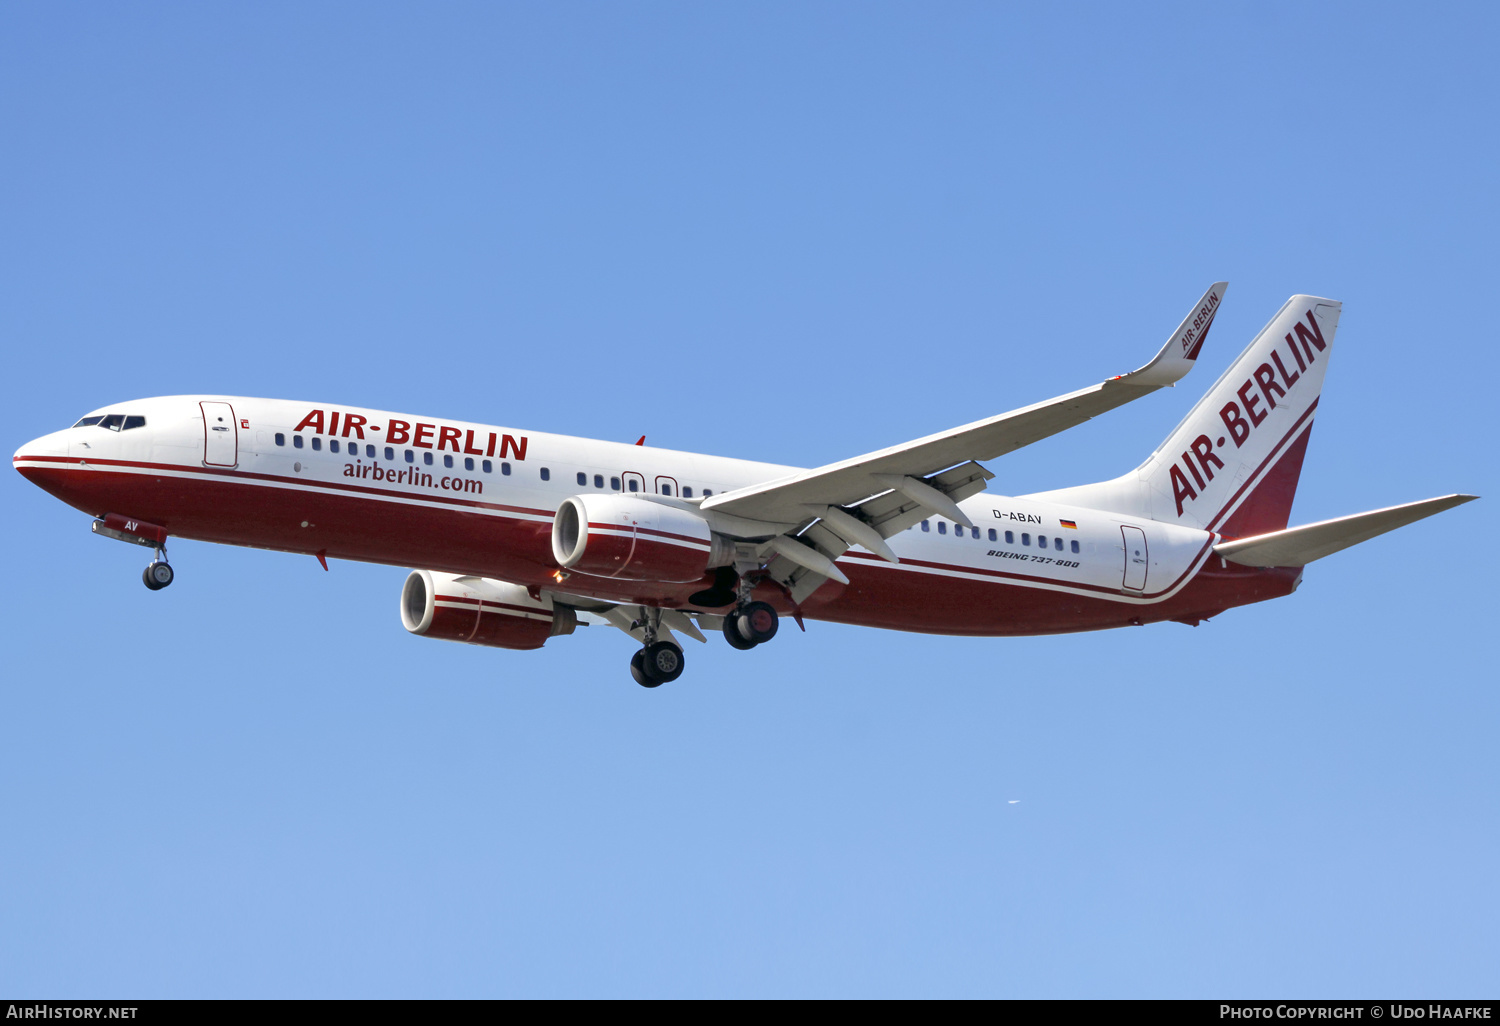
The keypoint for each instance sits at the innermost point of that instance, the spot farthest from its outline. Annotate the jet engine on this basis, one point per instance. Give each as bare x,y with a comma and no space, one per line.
480,611
634,538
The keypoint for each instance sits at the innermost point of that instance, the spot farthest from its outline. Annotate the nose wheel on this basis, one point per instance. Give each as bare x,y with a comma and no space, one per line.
159,574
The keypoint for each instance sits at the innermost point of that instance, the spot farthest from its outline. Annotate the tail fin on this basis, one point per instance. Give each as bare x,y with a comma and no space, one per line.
1232,465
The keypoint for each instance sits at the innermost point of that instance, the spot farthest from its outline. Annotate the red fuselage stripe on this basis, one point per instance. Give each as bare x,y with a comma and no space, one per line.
300,483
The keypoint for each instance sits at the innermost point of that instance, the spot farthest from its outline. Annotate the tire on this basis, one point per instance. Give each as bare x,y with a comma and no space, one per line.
732,633
757,622
663,662
157,576
638,671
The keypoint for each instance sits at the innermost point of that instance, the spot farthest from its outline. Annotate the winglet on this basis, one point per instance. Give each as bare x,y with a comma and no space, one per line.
1177,356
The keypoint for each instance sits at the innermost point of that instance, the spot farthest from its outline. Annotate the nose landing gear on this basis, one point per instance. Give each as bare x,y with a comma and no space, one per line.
159,574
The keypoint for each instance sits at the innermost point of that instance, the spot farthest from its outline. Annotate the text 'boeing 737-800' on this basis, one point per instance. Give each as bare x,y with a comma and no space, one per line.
522,536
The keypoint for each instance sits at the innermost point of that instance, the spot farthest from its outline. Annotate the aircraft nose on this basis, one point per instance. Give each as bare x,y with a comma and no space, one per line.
55,444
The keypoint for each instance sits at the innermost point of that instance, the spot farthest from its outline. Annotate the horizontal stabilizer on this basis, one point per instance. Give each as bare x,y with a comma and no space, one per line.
1298,546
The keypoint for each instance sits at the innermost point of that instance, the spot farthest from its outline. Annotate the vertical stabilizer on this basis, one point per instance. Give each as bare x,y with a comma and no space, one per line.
1232,465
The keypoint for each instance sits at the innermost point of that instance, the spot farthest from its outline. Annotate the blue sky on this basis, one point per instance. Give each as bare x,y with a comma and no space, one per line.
785,232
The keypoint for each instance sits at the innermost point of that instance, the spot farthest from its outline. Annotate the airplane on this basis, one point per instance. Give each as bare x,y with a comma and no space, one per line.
521,536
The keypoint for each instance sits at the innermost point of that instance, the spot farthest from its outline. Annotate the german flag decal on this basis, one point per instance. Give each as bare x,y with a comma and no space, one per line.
1068,523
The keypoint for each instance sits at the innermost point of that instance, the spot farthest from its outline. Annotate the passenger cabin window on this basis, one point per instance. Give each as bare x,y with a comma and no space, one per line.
369,452
993,535
598,480
583,479
333,445
974,532
1075,547
296,441
487,466
614,483
448,461
707,492
1025,539
666,489
926,526
546,474
468,463
317,444
280,438
1010,537
687,493
390,453
1057,544
505,469
634,485
942,527
427,458
411,457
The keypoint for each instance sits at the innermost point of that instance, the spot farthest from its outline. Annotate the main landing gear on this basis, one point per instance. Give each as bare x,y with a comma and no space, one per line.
658,662
751,624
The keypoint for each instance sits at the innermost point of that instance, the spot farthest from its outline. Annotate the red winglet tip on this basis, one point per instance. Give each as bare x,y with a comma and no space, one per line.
641,440
322,554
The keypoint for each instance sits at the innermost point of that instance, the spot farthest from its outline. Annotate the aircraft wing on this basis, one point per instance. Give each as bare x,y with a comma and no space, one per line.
929,475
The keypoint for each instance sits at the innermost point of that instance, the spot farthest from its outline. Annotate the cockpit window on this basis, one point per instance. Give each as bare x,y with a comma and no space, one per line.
113,422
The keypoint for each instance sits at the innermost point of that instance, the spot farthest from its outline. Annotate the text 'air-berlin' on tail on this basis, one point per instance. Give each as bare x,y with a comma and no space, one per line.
1232,465
520,536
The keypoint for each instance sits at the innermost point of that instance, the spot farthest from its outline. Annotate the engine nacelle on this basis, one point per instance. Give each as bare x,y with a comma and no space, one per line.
480,611
632,538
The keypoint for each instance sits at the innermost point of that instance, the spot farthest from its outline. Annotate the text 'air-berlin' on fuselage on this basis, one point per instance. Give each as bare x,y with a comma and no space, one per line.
521,536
